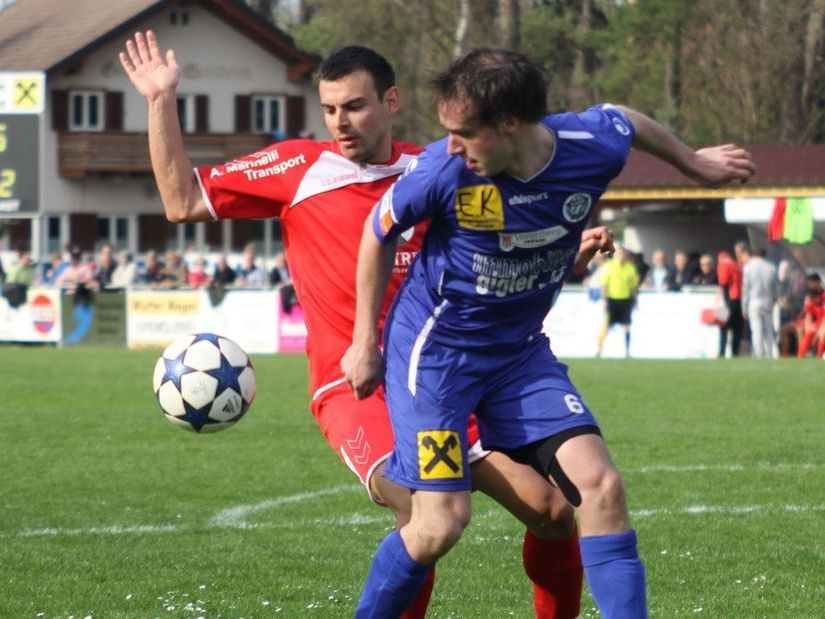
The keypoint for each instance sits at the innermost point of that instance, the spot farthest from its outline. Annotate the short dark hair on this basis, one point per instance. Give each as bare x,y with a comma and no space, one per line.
497,83
354,58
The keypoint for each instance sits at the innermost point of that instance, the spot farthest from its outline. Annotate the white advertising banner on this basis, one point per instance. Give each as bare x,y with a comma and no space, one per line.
36,320
665,325
249,317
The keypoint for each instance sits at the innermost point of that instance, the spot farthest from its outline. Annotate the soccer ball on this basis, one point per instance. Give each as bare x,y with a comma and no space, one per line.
204,382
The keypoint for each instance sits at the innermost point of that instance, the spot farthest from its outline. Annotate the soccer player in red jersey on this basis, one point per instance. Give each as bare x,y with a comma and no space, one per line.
323,192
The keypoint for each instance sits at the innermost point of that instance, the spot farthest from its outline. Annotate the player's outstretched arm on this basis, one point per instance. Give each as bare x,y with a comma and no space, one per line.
362,363
714,166
155,77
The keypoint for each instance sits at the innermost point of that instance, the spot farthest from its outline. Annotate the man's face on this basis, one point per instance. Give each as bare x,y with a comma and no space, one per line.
706,264
658,258
356,118
486,150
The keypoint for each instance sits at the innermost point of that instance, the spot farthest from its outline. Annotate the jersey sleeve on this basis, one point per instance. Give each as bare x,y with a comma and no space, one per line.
614,130
259,185
409,201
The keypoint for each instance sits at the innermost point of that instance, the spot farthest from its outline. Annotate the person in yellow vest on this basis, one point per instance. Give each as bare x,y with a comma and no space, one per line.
620,281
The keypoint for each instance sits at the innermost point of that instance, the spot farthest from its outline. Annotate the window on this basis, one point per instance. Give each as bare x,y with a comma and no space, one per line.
86,110
268,114
187,113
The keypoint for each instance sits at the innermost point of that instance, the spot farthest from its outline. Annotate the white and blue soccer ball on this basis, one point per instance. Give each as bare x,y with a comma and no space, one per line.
204,382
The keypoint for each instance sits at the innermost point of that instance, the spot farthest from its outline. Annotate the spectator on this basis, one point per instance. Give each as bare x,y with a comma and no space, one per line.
661,274
23,273
125,273
620,281
224,275
198,277
760,291
249,273
683,270
77,273
105,267
152,274
2,274
174,274
706,275
51,270
279,275
729,274
792,287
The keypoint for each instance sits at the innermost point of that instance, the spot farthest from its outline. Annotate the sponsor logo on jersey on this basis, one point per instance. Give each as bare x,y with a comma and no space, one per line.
620,126
577,206
440,455
527,198
479,207
278,168
255,160
530,240
500,276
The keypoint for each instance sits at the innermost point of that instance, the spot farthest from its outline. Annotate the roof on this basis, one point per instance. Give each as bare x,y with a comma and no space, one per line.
42,35
781,169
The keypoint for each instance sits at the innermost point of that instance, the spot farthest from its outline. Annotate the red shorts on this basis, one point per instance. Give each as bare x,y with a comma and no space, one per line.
359,431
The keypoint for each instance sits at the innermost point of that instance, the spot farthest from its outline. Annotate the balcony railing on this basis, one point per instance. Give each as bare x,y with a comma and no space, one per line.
82,153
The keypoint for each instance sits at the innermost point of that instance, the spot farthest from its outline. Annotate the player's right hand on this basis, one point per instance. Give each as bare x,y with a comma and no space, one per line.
150,73
363,369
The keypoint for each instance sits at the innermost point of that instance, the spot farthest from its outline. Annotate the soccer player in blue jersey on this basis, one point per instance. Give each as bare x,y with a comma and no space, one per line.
508,192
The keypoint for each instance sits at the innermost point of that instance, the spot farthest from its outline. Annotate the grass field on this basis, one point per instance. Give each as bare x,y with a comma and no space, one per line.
110,511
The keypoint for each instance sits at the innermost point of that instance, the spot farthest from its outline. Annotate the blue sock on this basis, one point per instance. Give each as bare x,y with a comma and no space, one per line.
627,343
393,582
615,574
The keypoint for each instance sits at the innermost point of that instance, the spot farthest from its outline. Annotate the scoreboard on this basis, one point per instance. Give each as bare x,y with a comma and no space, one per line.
19,141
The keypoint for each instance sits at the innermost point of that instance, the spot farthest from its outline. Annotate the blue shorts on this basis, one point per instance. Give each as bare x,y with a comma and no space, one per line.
519,397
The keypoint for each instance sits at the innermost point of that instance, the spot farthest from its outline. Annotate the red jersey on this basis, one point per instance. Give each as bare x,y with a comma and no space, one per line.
322,199
729,274
815,309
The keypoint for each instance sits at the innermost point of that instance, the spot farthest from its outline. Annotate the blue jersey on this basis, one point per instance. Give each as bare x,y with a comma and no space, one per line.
498,249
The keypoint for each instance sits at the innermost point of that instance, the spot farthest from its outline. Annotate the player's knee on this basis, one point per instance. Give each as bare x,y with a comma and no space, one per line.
439,539
607,491
436,534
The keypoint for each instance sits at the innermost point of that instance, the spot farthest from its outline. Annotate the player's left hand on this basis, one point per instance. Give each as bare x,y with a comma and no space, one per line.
716,166
593,241
363,368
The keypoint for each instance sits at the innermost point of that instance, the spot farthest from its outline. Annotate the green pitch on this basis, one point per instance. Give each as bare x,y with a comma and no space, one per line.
110,511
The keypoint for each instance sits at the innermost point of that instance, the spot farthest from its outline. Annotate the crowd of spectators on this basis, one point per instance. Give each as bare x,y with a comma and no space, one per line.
107,269
768,309
775,309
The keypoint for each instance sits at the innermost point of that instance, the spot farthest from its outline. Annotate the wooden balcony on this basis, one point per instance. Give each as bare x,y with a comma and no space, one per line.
79,154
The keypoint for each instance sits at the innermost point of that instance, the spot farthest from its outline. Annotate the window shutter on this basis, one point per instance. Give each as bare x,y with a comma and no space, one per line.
243,113
201,114
114,111
60,110
295,116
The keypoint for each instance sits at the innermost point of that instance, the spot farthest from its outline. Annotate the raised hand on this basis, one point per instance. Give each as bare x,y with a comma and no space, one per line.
716,166
150,73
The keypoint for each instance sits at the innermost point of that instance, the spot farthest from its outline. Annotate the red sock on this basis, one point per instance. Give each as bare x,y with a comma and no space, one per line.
820,348
805,344
555,567
418,608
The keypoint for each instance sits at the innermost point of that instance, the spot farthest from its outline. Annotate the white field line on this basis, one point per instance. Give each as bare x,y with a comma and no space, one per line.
235,517
727,468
